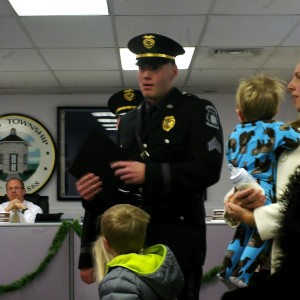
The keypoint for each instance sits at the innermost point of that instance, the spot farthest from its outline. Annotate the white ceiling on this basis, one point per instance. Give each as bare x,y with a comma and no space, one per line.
75,55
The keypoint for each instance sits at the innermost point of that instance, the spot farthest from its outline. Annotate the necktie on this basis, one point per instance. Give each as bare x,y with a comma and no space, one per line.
150,110
15,217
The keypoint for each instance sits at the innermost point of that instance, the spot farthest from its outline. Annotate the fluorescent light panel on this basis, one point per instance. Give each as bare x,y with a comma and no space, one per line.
103,114
128,59
107,120
59,7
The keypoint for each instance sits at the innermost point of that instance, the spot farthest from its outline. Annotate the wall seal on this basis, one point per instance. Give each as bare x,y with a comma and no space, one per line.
27,151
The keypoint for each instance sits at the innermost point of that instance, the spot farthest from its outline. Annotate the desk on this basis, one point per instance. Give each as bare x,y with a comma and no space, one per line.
24,246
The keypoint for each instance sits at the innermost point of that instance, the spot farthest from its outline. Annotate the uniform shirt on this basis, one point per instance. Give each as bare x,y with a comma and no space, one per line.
29,214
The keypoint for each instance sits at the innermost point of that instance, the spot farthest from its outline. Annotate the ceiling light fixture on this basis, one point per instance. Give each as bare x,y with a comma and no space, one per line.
128,59
59,7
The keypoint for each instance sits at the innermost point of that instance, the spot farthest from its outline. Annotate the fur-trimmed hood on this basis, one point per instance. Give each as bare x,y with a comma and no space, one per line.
289,230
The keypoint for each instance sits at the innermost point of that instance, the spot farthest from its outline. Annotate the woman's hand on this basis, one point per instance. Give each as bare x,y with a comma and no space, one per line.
239,213
249,198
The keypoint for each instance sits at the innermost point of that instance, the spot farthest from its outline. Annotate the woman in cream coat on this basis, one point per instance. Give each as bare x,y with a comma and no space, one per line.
267,217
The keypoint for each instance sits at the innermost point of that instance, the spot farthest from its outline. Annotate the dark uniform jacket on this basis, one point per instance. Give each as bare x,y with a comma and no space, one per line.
182,146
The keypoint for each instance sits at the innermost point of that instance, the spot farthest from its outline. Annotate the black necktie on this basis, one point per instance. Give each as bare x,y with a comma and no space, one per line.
150,110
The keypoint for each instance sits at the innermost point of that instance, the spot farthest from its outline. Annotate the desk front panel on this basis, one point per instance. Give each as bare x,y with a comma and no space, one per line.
22,248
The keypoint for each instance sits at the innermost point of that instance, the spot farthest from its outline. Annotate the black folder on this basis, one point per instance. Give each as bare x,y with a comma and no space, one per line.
95,156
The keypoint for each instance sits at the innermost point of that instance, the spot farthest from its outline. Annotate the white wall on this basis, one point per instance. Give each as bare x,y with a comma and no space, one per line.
44,109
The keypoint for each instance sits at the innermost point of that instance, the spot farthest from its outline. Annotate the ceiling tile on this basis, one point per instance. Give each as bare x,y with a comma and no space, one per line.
293,37
246,31
187,33
21,60
291,57
5,8
89,78
161,7
82,59
70,31
27,80
12,35
257,7
213,78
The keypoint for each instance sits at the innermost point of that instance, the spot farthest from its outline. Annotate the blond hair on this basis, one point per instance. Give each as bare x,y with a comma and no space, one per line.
124,226
258,97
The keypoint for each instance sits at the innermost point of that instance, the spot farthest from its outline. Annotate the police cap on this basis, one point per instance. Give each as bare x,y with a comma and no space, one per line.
125,100
154,49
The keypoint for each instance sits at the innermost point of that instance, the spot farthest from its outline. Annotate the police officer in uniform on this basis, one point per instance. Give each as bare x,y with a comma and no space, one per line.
175,144
124,101
119,104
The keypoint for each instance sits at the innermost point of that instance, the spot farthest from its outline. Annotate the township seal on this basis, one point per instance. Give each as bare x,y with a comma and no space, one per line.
27,151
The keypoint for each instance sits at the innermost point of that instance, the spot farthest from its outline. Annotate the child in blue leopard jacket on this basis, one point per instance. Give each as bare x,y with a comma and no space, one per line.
255,145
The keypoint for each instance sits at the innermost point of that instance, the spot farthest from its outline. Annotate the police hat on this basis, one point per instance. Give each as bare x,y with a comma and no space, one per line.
123,101
154,49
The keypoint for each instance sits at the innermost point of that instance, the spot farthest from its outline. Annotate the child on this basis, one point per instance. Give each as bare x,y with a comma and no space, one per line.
287,233
255,145
126,270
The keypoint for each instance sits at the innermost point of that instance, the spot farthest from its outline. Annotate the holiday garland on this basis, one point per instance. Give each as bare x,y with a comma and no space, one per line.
58,240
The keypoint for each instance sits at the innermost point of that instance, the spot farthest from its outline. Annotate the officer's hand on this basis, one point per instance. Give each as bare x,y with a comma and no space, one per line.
89,186
130,172
87,275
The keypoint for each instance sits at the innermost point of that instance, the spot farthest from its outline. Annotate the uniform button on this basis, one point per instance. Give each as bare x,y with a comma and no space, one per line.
167,141
145,145
121,146
181,218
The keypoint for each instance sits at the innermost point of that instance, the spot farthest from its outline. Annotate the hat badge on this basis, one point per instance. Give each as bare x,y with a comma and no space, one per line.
128,94
168,123
149,41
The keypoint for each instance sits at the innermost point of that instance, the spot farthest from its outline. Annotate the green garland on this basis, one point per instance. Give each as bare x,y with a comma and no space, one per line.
58,240
211,274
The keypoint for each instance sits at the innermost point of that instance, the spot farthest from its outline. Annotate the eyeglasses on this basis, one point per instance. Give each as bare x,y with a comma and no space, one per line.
17,188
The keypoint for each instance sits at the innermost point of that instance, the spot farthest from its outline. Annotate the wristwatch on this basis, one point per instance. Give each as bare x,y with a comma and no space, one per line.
23,210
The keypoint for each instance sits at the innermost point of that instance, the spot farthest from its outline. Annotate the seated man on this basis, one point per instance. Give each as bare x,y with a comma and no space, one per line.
21,211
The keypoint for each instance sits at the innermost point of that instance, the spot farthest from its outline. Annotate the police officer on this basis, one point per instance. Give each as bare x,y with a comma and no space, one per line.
175,144
119,104
124,101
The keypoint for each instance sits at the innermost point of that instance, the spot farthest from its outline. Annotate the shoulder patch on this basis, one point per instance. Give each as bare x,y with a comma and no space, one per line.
212,118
